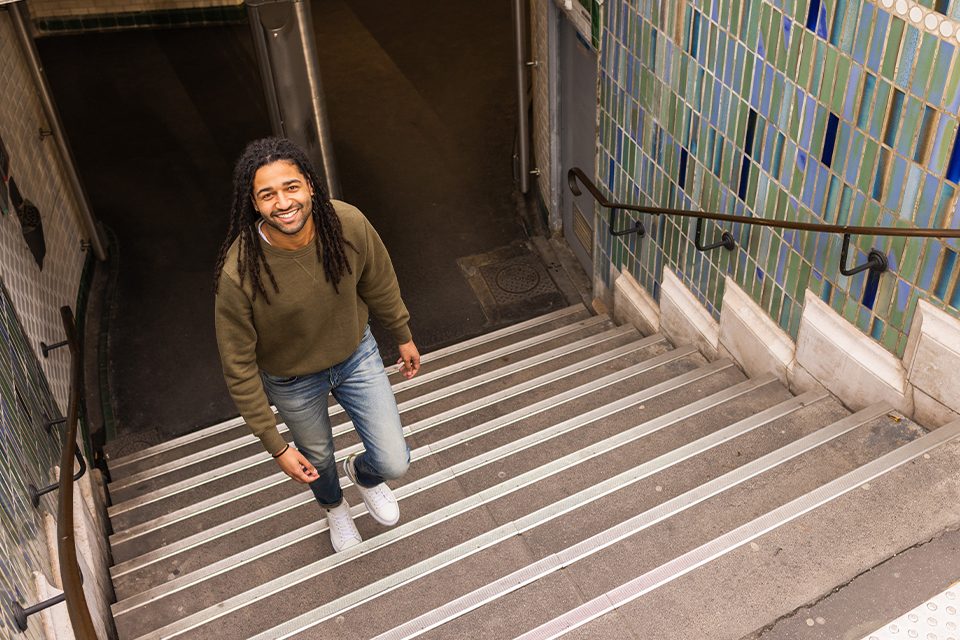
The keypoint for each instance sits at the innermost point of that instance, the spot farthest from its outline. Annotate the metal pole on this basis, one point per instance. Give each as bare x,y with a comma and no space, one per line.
287,58
522,121
318,103
21,20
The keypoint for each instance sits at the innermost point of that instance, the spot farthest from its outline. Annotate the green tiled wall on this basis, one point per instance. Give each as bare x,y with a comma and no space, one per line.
28,454
835,111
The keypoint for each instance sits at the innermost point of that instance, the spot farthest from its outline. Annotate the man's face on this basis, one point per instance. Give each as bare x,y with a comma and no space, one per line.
282,195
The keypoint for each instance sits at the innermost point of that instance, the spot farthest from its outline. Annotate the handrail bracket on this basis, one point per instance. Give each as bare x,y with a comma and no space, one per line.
726,240
876,261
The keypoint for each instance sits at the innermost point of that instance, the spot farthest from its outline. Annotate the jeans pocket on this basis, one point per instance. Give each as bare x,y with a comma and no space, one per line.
280,381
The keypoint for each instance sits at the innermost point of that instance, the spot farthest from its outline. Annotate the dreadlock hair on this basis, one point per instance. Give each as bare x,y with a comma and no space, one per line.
329,240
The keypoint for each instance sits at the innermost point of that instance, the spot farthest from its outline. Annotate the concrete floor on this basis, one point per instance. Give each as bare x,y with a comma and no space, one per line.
421,105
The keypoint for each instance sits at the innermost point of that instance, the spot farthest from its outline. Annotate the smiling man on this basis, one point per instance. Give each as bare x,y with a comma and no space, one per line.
296,280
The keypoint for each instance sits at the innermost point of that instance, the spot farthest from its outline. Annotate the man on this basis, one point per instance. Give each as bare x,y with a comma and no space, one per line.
295,280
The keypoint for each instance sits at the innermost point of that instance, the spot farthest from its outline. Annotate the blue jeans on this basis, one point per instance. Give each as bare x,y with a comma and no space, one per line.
360,385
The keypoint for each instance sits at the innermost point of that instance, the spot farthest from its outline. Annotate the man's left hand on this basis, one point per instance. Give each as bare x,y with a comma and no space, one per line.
409,360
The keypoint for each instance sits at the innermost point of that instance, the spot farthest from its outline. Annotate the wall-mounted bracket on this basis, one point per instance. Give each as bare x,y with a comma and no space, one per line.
45,348
36,493
637,228
876,261
726,240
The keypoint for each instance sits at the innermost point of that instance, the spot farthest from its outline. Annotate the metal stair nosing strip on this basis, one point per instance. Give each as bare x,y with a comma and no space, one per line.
600,541
491,425
742,535
190,438
501,533
258,459
533,520
502,333
413,403
427,482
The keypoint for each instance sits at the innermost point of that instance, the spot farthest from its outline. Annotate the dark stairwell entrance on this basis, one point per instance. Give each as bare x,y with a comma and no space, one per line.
421,109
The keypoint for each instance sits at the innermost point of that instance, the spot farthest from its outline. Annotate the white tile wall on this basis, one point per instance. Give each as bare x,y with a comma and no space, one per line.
34,164
30,386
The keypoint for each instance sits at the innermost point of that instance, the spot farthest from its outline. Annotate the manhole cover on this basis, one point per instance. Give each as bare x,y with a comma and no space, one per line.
517,278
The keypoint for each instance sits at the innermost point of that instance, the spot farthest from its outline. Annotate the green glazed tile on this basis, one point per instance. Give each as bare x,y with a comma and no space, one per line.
928,50
825,90
881,106
806,59
892,50
841,84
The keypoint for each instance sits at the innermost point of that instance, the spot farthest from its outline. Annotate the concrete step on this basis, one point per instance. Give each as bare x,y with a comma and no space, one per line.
225,485
533,486
512,369
787,557
525,335
155,548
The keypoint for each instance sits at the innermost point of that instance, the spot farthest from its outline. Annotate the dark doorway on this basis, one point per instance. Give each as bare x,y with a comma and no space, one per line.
421,110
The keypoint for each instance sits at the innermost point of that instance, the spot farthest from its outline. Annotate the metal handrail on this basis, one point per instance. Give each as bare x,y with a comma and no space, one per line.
69,569
70,576
575,174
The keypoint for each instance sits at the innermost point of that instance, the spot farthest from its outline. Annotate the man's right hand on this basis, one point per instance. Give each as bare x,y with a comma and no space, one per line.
296,466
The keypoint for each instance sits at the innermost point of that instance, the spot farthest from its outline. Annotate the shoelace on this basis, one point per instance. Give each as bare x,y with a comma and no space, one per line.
379,495
340,524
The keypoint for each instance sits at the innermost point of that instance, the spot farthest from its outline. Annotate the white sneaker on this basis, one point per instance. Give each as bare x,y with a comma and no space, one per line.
343,532
380,500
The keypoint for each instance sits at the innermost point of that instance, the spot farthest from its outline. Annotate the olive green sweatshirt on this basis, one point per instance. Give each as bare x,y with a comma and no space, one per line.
307,326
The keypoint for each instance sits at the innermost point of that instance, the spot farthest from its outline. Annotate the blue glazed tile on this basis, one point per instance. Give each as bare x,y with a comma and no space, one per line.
879,181
915,175
866,100
827,292
939,140
946,274
953,167
840,10
878,41
846,201
863,33
898,177
939,74
823,181
911,44
928,198
893,123
757,86
694,48
850,97
778,154
930,261
822,21
787,31
876,330
809,188
830,139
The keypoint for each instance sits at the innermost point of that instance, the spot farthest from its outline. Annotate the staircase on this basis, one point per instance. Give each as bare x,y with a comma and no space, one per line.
568,475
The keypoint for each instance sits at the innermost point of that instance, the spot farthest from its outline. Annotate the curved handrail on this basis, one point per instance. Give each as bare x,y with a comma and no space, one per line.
575,174
69,569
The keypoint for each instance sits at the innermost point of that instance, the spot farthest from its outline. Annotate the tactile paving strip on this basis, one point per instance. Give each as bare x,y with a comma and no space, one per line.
936,619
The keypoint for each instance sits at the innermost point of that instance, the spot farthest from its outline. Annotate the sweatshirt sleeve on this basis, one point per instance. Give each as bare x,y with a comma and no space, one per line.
377,286
237,341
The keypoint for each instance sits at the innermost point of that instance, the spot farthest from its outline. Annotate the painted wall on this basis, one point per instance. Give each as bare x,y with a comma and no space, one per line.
838,111
30,298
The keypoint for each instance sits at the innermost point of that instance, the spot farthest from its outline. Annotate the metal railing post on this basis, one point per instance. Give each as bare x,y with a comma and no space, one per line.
287,57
